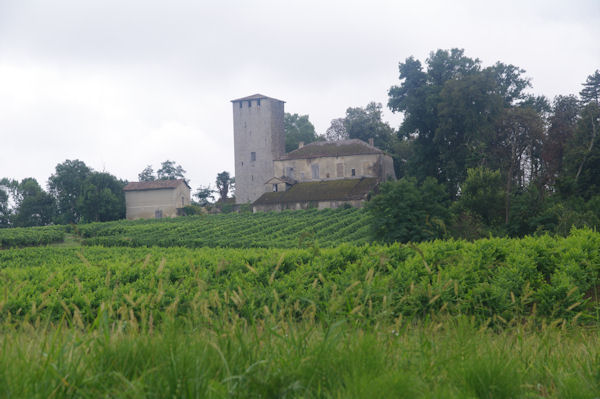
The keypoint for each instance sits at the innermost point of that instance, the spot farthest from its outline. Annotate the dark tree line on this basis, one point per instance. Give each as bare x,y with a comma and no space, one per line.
508,162
76,193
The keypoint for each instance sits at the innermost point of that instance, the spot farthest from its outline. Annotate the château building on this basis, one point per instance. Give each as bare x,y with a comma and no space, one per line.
321,174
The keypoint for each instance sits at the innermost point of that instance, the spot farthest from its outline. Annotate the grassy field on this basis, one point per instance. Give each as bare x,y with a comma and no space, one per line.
441,359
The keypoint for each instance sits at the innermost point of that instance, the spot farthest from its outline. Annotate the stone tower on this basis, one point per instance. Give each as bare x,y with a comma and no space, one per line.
259,139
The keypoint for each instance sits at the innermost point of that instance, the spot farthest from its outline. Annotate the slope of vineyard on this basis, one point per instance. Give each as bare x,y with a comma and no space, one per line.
31,236
288,229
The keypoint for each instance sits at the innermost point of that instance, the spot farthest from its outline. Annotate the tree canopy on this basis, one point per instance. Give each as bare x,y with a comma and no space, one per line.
65,184
102,198
298,129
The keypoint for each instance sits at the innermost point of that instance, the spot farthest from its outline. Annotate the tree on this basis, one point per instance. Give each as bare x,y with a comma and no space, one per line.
336,131
366,123
468,110
582,155
562,125
205,195
517,146
298,129
169,170
102,198
4,209
65,185
591,88
34,207
225,184
418,96
590,95
147,174
451,112
482,194
406,211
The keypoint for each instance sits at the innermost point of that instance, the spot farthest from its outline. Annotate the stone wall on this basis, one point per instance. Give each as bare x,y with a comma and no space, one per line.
259,138
333,168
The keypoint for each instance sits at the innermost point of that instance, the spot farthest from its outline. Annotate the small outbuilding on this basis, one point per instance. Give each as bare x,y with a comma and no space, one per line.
156,199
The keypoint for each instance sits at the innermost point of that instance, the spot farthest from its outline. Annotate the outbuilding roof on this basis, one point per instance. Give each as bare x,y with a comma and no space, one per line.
154,185
282,179
326,190
332,149
255,97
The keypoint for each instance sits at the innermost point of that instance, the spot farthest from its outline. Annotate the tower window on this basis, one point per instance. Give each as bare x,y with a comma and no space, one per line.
252,156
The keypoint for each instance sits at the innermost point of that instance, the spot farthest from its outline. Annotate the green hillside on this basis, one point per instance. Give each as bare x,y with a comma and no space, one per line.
288,229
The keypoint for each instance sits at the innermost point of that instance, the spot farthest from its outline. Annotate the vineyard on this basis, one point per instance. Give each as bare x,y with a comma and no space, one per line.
31,236
288,229
491,318
497,281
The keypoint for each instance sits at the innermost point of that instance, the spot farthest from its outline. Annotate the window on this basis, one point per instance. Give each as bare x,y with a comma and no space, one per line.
249,103
315,171
353,172
182,202
158,214
252,156
340,169
240,104
274,187
289,172
258,102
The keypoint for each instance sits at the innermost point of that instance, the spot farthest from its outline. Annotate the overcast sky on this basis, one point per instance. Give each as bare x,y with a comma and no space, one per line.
123,84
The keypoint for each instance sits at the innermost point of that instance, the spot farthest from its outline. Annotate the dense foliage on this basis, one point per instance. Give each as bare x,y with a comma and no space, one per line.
497,281
287,229
31,236
298,129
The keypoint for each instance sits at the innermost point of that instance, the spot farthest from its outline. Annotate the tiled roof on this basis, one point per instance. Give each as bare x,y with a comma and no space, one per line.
154,185
332,149
328,190
282,179
255,97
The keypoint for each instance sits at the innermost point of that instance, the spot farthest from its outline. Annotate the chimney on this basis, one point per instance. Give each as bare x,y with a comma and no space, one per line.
301,144
371,142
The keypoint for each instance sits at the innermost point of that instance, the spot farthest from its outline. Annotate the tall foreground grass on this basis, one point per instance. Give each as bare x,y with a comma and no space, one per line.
442,359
